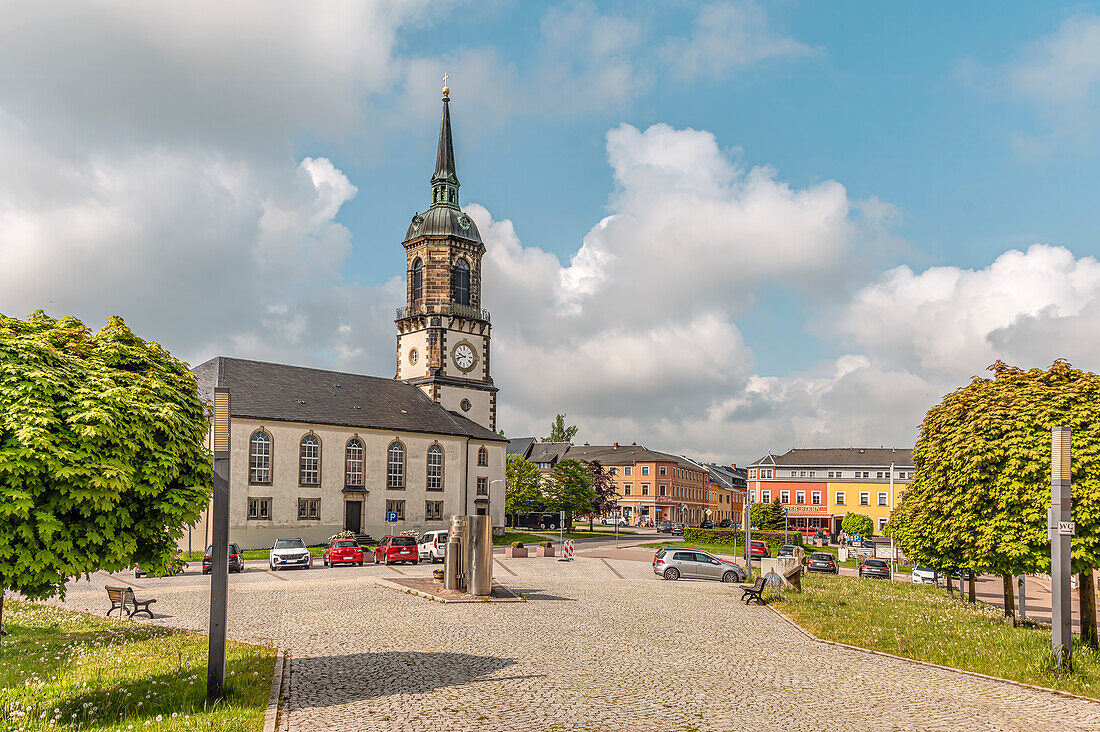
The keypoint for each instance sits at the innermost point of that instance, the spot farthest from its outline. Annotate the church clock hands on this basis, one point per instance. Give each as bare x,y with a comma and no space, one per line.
463,356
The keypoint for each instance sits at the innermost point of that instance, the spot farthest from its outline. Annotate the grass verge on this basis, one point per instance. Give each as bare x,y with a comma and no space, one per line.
713,548
61,669
510,536
920,622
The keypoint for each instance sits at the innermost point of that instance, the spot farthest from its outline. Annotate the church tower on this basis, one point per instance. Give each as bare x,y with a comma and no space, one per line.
442,332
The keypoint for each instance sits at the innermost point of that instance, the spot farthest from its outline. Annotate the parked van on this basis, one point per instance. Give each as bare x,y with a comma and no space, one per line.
432,545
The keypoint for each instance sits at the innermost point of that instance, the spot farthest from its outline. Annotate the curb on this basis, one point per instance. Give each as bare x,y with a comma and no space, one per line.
929,664
273,696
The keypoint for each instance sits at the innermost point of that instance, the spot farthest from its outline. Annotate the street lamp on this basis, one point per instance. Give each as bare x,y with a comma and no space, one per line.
219,568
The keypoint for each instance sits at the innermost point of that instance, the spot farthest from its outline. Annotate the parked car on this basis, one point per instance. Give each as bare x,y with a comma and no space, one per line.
923,575
725,524
236,559
664,527
677,530
675,562
289,553
342,551
787,550
708,524
759,549
175,567
432,546
822,562
396,549
613,520
867,544
874,568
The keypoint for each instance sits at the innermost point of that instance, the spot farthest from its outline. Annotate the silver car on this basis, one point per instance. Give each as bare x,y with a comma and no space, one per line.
675,562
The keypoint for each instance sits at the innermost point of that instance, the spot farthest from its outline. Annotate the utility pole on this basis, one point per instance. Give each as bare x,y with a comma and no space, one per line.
1060,528
219,569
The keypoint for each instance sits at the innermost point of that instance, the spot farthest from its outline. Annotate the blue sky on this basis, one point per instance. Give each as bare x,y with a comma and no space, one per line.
715,228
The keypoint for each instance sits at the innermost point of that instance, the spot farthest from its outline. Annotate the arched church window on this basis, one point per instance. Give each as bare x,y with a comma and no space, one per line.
460,282
418,279
482,457
353,463
395,466
309,461
435,468
259,458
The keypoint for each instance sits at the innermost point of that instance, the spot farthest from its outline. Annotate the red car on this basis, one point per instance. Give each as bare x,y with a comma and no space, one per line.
759,549
396,549
343,551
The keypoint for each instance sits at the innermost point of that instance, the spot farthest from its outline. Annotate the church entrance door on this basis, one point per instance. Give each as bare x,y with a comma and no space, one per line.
353,514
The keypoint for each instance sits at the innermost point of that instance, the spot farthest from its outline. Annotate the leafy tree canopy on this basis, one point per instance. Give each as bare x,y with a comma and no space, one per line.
102,457
569,488
979,496
603,488
768,516
560,432
522,486
857,524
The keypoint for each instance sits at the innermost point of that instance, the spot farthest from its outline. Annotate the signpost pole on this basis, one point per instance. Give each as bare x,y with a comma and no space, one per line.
219,568
1060,528
748,534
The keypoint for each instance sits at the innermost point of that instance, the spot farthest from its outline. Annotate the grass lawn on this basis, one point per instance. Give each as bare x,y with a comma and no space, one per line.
918,621
79,671
510,536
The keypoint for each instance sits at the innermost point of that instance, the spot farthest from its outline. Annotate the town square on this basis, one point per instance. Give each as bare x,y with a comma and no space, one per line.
572,366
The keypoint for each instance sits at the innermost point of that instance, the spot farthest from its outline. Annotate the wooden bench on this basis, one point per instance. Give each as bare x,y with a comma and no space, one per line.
756,592
120,597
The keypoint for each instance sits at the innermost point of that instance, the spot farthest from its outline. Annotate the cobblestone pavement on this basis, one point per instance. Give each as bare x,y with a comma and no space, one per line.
590,650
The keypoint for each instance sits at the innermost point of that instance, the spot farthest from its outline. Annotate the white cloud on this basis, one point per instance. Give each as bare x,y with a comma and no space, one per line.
729,36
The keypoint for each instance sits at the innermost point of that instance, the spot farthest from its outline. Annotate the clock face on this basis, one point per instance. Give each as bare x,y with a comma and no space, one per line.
464,356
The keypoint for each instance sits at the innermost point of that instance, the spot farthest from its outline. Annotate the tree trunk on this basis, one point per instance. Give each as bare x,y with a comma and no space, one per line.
2,631
972,595
950,587
591,518
1010,606
1087,587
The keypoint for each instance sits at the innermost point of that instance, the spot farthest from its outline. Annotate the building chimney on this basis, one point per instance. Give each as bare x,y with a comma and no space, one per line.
733,466
615,446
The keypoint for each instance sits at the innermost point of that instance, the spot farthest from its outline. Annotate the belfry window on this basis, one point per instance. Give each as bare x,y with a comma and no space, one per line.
460,282
418,279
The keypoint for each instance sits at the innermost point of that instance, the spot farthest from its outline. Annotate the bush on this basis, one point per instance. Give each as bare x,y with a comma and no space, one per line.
726,537
517,545
546,544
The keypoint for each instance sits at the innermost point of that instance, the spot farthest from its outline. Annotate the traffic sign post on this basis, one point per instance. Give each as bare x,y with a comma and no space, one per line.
1060,528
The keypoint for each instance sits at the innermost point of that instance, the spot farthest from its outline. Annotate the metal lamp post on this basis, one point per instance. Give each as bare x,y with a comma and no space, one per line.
1060,528
219,569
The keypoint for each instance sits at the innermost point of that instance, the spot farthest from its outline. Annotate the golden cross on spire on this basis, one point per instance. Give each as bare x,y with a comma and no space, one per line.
446,91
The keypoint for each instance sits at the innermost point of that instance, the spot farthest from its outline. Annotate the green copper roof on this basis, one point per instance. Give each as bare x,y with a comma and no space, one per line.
444,217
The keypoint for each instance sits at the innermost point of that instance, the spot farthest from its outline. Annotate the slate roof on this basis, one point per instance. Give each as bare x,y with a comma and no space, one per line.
728,477
520,446
840,456
626,455
283,393
548,452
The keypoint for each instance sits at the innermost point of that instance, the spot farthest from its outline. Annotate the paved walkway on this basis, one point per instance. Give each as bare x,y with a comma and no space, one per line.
601,644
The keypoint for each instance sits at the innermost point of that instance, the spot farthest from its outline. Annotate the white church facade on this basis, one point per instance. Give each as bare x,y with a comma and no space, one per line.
316,452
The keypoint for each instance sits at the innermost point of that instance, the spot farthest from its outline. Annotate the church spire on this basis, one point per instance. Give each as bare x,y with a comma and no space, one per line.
445,181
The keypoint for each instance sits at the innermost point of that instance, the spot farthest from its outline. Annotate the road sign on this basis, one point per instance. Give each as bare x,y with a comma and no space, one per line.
391,517
1067,528
708,512
856,538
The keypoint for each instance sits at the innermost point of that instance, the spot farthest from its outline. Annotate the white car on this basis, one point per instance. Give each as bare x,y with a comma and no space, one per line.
923,576
289,553
612,520
432,545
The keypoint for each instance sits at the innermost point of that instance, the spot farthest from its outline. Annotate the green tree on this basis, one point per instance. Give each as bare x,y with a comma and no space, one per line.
560,432
102,457
522,486
979,496
603,487
768,516
569,488
857,524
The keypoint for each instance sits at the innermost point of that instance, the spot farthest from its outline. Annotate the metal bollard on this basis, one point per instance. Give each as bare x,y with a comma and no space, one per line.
456,560
480,580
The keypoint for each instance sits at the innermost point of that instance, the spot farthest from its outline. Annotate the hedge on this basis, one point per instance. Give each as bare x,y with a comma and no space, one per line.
726,537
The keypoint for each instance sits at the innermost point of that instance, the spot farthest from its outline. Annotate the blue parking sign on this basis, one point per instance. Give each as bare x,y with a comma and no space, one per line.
856,538
391,517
